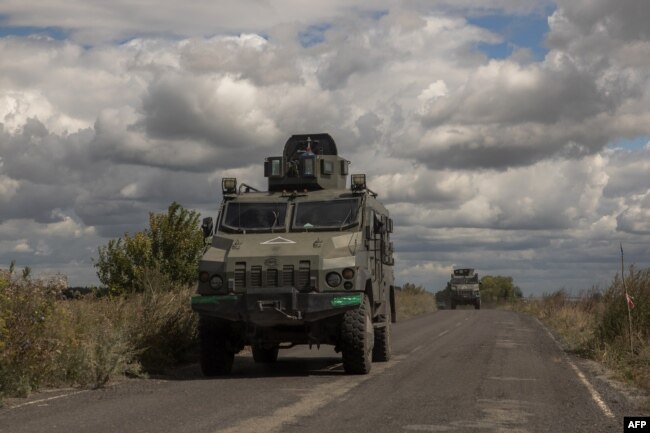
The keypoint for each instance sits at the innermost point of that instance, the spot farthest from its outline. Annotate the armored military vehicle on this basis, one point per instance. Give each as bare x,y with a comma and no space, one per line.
463,288
306,262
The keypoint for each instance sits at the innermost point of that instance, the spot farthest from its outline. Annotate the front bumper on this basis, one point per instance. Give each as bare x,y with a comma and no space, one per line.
466,298
275,306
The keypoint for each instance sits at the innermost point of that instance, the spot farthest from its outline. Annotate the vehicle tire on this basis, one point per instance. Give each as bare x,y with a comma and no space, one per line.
357,339
453,305
265,355
477,305
216,355
381,350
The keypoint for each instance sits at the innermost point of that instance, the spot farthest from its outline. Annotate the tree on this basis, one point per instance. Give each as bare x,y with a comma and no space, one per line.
171,245
499,288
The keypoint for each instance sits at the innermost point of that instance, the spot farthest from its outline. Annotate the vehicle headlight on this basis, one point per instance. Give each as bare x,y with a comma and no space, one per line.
348,273
333,279
216,282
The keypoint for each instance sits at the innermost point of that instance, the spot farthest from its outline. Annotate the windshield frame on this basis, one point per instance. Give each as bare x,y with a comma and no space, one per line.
352,222
280,228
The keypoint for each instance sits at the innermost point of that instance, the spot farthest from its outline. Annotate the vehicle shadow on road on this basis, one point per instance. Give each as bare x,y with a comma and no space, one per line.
246,368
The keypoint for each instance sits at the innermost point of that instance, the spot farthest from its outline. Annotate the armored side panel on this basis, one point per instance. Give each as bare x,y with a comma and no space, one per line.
309,162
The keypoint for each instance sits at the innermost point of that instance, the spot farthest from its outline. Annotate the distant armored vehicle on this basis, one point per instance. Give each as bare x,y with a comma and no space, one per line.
306,262
463,288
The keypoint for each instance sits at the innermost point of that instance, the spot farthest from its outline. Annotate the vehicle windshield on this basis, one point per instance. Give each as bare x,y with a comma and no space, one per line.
254,216
335,214
463,280
465,286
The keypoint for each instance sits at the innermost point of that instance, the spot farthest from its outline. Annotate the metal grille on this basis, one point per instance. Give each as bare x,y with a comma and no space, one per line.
303,274
240,275
287,275
256,276
272,277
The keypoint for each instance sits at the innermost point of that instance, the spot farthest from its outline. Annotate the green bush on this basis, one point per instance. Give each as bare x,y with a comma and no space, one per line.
172,244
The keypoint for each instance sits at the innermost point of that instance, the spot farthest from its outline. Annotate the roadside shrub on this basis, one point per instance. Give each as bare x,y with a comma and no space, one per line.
29,344
615,323
49,340
163,326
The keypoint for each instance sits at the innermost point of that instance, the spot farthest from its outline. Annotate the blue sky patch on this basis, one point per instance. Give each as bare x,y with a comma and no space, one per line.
631,143
527,31
313,35
7,30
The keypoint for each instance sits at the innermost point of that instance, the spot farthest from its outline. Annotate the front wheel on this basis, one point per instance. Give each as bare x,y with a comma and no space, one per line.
477,305
381,350
357,339
216,355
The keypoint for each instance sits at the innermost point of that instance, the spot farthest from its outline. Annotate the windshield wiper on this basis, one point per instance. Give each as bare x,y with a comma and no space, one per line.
345,220
276,216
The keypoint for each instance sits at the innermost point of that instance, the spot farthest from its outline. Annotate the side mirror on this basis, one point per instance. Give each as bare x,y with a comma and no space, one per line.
207,226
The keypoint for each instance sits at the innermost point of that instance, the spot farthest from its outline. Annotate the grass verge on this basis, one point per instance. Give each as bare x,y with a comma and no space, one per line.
412,300
596,325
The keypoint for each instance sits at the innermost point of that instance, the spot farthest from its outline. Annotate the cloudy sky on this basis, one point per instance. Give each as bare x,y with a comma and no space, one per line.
508,135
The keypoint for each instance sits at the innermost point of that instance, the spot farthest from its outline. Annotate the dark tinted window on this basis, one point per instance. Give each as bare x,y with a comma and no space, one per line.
326,214
255,216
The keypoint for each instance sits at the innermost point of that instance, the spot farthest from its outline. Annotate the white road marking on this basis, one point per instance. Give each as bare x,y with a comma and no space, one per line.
595,396
47,399
416,349
443,333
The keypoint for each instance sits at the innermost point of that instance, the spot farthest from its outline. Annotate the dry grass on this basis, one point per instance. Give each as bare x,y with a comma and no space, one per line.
46,340
596,326
413,301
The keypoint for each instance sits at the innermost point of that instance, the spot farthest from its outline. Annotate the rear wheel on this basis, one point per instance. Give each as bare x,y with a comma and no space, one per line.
381,350
265,354
477,305
216,355
453,305
357,339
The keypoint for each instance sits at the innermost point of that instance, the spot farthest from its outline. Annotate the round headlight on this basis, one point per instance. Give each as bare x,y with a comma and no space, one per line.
333,279
216,282
348,273
203,277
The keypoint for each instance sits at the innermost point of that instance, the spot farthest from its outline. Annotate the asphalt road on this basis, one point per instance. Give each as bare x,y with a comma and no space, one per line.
452,371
